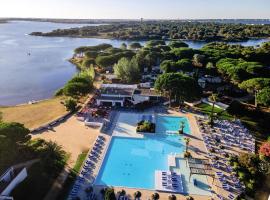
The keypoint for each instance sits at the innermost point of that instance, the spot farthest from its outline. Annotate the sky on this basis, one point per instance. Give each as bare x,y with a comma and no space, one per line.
135,9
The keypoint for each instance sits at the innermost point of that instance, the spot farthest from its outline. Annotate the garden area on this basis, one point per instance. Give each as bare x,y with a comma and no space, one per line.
145,126
252,169
218,112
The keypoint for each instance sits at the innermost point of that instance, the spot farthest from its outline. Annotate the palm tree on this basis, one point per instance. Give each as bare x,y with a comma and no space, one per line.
122,193
155,196
214,99
187,140
137,195
172,197
182,126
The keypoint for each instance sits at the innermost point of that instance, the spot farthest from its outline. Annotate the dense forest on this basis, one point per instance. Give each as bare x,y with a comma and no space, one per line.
204,31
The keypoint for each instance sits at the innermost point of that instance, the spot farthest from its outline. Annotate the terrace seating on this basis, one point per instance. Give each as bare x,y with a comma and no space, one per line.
87,169
230,135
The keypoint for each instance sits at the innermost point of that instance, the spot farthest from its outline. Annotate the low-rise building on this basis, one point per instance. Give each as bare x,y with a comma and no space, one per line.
120,94
10,179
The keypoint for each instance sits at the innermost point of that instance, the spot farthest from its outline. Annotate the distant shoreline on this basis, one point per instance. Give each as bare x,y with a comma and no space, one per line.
89,21
41,34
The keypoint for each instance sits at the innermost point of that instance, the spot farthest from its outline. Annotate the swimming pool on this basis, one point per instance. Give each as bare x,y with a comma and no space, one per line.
131,162
171,123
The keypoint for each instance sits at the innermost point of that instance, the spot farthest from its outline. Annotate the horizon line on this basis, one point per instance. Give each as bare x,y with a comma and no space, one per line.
147,19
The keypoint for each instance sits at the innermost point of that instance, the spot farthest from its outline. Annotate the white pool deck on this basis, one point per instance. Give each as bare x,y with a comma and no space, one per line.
165,177
126,125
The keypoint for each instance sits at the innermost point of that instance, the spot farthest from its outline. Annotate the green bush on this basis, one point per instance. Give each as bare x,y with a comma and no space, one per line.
71,104
109,194
59,92
145,126
137,194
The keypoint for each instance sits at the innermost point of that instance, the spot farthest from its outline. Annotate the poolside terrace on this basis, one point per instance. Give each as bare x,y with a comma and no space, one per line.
123,125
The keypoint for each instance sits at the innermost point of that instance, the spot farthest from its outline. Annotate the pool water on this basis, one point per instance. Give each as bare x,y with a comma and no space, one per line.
131,162
171,123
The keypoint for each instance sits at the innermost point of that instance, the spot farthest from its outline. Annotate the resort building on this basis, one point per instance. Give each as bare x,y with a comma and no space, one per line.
10,179
120,95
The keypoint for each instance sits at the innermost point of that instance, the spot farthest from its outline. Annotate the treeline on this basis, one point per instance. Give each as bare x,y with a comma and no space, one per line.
80,85
155,30
16,146
235,63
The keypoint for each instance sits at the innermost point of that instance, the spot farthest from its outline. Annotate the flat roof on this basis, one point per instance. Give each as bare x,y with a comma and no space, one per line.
110,98
146,92
117,91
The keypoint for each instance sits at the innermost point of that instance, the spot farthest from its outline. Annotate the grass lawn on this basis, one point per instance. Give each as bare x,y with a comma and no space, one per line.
206,109
34,115
72,176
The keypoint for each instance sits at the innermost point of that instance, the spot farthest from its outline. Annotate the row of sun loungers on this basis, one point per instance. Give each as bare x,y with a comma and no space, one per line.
228,135
168,181
172,180
87,170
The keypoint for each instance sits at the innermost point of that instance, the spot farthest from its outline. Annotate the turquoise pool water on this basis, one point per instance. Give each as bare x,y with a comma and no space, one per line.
171,123
131,162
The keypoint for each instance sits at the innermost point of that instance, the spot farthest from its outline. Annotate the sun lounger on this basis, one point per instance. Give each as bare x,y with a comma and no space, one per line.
231,196
226,186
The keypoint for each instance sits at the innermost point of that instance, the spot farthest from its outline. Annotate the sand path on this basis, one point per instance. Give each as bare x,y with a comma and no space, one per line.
72,135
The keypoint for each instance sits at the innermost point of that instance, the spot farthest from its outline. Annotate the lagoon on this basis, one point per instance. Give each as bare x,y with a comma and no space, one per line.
33,68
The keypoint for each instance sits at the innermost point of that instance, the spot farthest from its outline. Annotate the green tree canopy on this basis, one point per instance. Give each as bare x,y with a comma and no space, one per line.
177,44
263,96
135,45
184,65
183,52
168,66
71,104
238,70
88,62
127,70
153,43
91,54
80,84
106,61
178,85
255,84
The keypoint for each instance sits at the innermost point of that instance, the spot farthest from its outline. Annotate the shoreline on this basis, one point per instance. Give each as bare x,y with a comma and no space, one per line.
144,40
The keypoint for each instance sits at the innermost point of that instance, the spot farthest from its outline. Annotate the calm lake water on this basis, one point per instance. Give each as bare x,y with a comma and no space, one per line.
37,76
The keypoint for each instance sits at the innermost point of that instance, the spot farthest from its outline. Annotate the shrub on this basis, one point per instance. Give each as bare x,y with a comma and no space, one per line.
109,194
265,149
145,126
190,198
70,104
155,196
59,92
137,194
187,154
172,197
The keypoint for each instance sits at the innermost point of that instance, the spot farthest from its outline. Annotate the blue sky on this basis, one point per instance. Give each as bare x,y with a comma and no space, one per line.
134,9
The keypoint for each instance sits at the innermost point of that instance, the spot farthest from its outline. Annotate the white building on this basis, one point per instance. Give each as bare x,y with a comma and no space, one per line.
118,94
209,79
10,179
